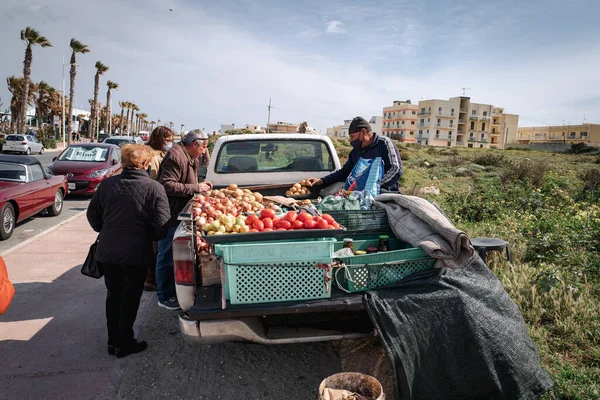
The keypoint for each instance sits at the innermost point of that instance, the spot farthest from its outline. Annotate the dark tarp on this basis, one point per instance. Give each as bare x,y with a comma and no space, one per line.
456,334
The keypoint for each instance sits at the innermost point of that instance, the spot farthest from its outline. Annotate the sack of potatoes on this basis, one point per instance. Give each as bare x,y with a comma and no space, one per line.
298,189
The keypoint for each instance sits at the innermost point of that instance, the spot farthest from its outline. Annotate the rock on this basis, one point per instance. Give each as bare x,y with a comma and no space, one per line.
462,171
427,164
429,190
435,178
477,167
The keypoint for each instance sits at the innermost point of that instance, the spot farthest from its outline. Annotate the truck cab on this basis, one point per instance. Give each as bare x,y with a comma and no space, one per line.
269,164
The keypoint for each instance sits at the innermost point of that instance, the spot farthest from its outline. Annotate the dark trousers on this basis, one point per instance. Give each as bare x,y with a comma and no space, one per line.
125,284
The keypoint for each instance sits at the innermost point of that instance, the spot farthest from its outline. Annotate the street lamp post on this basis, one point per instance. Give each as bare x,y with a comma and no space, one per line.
181,130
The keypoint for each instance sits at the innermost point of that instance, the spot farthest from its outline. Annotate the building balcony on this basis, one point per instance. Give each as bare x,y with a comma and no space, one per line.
460,143
495,133
421,124
485,118
424,113
483,141
474,117
496,122
462,121
451,115
471,140
463,110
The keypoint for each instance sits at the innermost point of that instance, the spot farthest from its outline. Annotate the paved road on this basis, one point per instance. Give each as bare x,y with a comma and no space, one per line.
41,222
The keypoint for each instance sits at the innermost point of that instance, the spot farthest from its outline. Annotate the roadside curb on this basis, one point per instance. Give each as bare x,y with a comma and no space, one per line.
31,239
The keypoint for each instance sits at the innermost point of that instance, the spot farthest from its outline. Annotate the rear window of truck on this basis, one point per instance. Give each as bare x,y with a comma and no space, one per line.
251,156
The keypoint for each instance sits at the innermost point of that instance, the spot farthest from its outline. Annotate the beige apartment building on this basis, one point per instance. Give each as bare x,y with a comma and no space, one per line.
400,121
585,133
341,131
460,122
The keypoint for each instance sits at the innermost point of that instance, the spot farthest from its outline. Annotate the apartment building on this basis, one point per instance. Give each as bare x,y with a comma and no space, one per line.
282,127
376,123
400,121
341,131
460,122
585,133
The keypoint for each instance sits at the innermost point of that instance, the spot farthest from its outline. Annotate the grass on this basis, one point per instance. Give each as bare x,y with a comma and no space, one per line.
541,203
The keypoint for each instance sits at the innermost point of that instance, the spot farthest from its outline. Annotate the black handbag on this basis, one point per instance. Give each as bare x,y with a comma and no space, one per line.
90,266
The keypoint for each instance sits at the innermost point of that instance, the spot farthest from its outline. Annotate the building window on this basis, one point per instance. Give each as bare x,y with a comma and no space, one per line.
440,110
428,119
485,113
483,126
412,122
402,122
429,109
404,112
412,133
480,146
414,112
451,123
437,134
420,131
474,112
482,136
452,111
422,121
439,122
472,125
582,135
470,145
423,110
449,144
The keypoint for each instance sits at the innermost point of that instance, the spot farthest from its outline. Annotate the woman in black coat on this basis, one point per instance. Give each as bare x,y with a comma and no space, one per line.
129,211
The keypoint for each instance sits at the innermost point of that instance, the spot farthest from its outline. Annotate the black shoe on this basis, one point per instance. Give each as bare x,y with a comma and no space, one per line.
111,349
134,347
171,304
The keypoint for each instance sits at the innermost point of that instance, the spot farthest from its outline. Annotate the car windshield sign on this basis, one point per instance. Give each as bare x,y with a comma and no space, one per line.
86,154
13,172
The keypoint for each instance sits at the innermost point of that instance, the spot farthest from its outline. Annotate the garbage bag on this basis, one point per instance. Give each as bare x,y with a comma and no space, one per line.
366,175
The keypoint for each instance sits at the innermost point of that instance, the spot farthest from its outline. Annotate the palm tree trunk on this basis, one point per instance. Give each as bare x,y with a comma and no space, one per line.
121,121
108,112
22,121
127,120
73,72
94,108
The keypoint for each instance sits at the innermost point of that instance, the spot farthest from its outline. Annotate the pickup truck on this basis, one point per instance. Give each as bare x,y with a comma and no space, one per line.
270,164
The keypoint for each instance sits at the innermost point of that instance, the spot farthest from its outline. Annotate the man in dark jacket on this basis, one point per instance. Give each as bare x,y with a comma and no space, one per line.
179,176
368,145
130,211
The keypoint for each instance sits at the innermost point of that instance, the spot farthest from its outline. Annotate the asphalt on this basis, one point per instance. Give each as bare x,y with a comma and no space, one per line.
53,341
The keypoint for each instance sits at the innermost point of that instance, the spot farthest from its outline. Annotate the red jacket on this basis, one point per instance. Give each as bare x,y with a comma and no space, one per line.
7,290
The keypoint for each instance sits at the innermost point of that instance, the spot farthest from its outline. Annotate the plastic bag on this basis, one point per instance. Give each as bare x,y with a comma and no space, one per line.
366,175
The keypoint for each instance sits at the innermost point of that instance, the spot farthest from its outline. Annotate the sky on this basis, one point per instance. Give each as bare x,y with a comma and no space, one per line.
205,63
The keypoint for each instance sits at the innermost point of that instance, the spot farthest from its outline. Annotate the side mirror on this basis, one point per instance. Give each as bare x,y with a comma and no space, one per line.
54,159
113,162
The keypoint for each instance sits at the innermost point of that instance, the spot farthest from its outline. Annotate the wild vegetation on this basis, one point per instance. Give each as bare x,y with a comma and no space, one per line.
546,206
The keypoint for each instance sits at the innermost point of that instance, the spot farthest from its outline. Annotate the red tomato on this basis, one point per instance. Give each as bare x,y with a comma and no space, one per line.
298,224
281,229
322,224
291,216
268,230
328,218
284,224
317,219
268,222
252,218
248,221
253,230
304,216
276,220
331,227
310,224
267,213
259,225
336,225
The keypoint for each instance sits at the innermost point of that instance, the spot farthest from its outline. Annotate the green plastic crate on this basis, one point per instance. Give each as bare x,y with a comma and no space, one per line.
277,250
270,282
361,221
372,271
362,242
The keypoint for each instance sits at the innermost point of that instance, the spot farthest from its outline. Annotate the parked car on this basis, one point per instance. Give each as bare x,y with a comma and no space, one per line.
123,140
26,188
86,165
242,160
102,136
25,144
144,135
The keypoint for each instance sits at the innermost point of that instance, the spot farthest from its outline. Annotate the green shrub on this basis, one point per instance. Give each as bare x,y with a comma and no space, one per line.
48,143
519,148
490,159
581,148
526,170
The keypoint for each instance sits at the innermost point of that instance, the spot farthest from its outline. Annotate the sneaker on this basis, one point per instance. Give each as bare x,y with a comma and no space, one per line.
171,304
134,347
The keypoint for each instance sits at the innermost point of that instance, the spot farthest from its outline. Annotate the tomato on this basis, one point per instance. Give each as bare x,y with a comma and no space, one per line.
298,224
248,221
336,225
284,224
281,229
276,220
291,216
267,213
317,219
322,224
328,218
304,216
331,227
268,230
259,225
268,222
252,218
310,224
253,230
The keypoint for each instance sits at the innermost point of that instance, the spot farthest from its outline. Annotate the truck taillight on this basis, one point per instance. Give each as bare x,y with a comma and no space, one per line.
184,261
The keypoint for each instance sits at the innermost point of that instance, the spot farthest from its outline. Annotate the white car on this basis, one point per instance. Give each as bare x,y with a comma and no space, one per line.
123,140
25,144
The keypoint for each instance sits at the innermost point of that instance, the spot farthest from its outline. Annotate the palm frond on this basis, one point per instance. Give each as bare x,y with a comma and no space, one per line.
101,68
78,47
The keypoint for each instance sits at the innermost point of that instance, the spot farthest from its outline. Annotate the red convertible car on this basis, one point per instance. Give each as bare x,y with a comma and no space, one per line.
26,188
86,165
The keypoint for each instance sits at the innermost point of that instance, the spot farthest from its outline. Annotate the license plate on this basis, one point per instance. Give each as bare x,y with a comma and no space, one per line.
71,186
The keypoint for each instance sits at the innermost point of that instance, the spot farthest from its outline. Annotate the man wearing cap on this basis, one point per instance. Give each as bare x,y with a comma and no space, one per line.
179,176
368,145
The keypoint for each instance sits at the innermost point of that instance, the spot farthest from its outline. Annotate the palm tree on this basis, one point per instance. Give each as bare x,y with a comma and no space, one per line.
111,85
152,125
123,105
31,37
171,125
129,106
43,102
77,47
15,87
100,69
134,108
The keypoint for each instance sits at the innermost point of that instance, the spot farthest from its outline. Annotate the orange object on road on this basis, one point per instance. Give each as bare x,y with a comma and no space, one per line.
7,290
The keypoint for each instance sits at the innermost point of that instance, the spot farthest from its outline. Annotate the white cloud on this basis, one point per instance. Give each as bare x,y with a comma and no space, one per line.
335,28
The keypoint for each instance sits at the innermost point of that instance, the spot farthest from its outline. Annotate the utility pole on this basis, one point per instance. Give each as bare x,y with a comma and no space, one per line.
269,117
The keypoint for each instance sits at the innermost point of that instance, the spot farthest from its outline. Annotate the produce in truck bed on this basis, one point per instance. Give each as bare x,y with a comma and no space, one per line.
266,221
231,201
298,189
